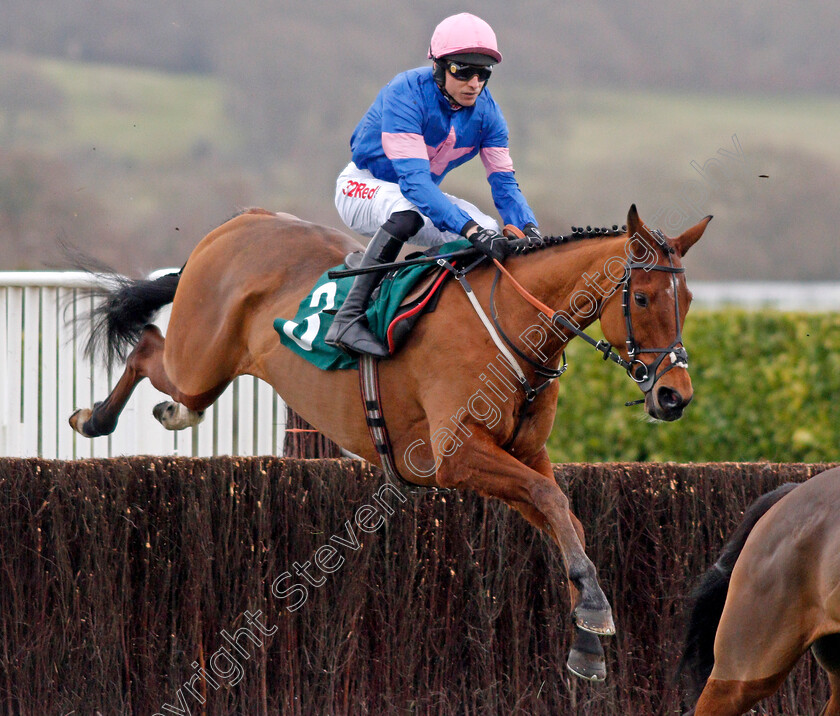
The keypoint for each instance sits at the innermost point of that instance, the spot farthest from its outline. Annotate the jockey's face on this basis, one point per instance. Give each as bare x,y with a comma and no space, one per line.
464,92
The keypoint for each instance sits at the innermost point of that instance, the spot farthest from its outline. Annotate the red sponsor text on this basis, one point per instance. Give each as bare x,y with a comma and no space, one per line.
359,190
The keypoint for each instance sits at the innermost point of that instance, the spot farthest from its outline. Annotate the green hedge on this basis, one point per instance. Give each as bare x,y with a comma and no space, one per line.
766,388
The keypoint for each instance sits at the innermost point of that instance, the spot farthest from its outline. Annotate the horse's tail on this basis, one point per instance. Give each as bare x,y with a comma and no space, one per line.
124,307
708,597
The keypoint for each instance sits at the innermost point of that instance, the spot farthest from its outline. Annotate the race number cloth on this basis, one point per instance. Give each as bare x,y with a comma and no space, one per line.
305,334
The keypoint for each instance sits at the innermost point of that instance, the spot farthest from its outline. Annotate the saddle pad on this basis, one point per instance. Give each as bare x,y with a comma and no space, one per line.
305,333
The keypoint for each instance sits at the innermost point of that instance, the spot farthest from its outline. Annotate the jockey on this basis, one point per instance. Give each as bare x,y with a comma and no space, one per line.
424,123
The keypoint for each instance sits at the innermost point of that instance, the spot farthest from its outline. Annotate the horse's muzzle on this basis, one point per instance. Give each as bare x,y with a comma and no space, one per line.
666,403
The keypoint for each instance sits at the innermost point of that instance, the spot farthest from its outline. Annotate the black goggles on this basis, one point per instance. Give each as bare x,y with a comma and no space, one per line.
466,72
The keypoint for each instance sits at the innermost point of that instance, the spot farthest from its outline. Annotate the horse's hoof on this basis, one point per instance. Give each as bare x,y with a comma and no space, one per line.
592,667
174,416
77,420
596,621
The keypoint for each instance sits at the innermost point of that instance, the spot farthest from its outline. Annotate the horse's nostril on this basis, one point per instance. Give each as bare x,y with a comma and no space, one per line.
669,398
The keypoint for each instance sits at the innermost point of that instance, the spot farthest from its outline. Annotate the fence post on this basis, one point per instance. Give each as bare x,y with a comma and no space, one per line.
304,441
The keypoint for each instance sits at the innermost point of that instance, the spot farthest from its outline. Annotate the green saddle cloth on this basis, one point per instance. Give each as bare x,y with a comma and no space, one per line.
305,333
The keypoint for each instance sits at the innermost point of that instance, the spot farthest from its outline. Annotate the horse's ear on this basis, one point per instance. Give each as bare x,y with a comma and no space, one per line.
689,237
634,223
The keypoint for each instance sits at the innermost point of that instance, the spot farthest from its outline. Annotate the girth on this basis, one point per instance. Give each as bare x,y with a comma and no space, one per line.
369,386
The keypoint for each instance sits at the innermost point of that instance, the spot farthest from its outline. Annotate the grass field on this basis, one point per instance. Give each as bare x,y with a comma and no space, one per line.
149,144
145,115
133,114
585,155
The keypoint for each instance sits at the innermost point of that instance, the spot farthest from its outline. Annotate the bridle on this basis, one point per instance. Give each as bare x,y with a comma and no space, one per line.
644,374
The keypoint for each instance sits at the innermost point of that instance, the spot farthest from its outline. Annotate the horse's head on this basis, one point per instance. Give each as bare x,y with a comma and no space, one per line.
645,319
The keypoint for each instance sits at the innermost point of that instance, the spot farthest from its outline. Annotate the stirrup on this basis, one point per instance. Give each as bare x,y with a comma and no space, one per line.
366,342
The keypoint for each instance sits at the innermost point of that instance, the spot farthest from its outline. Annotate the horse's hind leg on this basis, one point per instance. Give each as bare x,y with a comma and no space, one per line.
176,416
145,361
102,418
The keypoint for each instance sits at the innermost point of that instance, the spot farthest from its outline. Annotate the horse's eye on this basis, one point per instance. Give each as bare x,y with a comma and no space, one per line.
641,299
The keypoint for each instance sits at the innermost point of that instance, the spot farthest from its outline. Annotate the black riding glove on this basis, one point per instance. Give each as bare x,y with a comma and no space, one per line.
533,235
489,242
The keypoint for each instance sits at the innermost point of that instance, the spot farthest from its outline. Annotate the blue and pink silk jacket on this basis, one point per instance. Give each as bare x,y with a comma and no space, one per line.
412,136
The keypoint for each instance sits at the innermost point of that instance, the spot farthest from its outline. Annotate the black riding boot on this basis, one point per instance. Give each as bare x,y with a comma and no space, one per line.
349,330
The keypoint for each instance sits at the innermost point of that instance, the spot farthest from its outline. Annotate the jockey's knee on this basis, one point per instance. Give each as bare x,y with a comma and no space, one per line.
403,225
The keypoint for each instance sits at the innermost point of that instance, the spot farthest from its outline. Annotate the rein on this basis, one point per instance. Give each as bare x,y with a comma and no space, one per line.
645,375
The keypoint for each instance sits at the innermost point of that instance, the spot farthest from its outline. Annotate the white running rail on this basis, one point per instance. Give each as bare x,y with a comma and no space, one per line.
44,378
779,295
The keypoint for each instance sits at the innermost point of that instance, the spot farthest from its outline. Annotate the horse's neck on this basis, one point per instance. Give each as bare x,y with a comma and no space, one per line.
573,281
567,277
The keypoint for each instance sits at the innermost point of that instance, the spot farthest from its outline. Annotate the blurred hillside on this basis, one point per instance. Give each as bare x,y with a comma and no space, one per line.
132,129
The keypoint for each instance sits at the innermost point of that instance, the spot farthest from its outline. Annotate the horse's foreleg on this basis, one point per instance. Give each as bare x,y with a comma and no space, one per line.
542,464
762,633
832,708
586,655
490,471
733,698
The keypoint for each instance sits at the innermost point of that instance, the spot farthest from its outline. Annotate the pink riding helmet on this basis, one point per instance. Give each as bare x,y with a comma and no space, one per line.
464,34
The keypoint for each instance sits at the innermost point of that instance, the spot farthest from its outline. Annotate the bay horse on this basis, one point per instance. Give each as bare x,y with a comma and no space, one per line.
773,594
260,265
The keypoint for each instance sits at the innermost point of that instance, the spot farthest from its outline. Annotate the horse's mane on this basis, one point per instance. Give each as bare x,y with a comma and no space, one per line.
580,233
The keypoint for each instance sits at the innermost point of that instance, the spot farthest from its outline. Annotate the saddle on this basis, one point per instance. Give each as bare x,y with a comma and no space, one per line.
402,297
